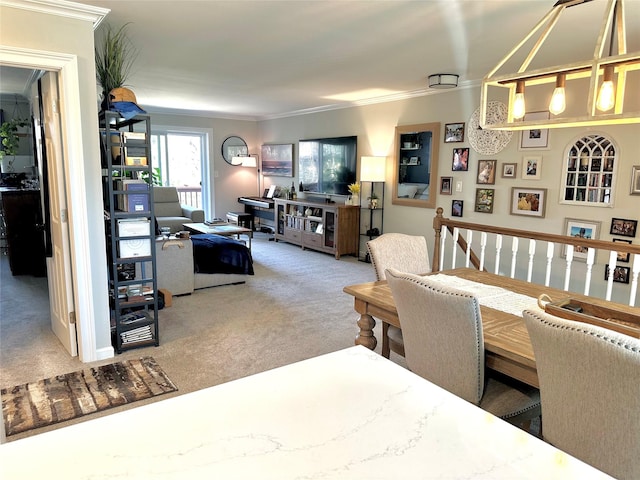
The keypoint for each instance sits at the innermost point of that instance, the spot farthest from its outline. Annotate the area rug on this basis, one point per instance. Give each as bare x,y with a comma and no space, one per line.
69,396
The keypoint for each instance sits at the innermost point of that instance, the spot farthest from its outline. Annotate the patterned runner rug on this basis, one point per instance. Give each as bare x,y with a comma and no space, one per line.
64,397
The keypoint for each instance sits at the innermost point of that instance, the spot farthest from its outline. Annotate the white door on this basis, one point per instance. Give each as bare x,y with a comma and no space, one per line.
59,264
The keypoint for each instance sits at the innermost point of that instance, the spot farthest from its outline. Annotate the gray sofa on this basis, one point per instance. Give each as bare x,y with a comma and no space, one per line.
170,213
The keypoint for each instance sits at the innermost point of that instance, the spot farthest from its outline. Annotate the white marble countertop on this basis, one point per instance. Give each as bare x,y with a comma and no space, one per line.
346,415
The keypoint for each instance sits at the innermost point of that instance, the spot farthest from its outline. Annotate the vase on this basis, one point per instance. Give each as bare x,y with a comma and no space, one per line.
355,199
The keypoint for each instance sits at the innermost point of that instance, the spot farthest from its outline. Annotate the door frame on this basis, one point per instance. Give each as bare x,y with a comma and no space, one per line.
66,66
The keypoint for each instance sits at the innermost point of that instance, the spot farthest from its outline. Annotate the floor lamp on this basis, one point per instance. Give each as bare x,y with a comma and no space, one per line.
249,161
373,170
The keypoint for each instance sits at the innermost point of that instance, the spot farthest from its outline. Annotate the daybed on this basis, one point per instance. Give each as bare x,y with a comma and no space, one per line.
185,265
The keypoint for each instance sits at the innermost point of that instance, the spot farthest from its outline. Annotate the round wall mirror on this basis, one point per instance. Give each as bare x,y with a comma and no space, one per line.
234,147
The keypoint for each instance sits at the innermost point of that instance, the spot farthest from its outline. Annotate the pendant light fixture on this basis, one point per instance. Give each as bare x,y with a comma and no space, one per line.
597,85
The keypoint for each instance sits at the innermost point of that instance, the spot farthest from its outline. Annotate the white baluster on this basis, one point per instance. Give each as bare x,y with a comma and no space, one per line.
547,276
443,251
567,272
514,253
591,256
483,246
532,253
613,258
467,260
498,252
456,232
634,279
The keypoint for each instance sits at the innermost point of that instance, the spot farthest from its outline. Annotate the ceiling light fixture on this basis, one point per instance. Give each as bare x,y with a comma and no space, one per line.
601,81
443,80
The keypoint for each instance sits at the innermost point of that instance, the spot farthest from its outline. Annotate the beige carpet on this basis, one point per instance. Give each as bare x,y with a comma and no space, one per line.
293,308
73,395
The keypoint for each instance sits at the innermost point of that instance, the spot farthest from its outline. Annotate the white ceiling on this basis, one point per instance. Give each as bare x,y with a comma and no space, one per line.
270,58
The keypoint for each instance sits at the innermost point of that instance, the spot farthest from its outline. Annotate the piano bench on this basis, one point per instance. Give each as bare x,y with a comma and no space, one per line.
241,219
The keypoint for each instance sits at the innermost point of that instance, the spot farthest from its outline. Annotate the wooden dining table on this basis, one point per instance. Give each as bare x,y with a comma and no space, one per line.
506,340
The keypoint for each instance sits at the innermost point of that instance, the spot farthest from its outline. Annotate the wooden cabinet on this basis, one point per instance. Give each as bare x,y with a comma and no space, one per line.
22,215
326,227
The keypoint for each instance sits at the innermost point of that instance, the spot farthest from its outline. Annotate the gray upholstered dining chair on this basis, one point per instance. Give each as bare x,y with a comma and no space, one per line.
590,390
443,341
407,253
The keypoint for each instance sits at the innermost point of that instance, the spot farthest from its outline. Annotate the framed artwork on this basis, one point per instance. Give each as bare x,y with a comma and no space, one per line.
509,170
623,257
531,167
635,180
460,160
535,138
445,185
484,200
620,274
414,161
574,227
530,202
486,172
453,132
456,208
277,160
624,227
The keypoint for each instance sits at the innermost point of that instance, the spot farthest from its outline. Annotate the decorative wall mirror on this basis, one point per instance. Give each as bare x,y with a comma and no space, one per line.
416,165
234,147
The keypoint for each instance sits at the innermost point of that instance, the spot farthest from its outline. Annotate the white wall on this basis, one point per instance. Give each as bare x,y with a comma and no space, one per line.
374,125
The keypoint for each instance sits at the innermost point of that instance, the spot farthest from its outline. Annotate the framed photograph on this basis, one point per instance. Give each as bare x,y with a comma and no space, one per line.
536,138
509,170
530,202
445,185
456,208
574,227
414,161
531,167
635,180
277,160
460,160
624,227
620,274
623,257
453,132
486,172
484,200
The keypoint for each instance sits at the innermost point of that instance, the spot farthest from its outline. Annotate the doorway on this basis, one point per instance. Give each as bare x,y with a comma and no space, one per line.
91,301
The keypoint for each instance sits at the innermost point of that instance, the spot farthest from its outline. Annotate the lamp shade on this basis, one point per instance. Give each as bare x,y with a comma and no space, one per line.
251,162
372,169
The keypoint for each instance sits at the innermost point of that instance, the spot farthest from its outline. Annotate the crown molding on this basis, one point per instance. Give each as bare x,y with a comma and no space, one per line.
62,8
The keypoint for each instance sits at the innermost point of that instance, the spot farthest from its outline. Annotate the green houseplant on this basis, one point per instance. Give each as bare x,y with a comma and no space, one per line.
114,60
10,138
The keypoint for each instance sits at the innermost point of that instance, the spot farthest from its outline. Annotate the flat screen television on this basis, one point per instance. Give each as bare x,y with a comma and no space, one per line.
328,165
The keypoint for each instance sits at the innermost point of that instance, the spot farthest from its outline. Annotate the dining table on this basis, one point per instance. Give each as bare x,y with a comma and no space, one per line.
508,348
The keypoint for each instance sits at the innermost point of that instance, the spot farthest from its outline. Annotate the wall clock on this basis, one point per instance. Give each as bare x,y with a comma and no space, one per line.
489,142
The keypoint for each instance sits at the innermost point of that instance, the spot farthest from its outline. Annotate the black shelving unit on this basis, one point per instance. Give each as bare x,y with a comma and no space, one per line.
372,217
130,228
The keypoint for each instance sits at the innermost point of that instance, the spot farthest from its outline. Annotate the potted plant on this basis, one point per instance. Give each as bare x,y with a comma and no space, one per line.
114,60
11,139
354,189
373,201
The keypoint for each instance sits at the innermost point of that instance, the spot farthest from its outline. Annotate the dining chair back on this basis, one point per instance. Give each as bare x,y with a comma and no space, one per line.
590,390
406,253
443,339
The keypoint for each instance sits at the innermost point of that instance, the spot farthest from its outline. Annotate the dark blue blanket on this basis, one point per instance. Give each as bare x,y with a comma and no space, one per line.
218,254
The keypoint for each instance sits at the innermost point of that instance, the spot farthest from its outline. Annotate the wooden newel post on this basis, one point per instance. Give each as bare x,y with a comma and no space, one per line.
437,226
